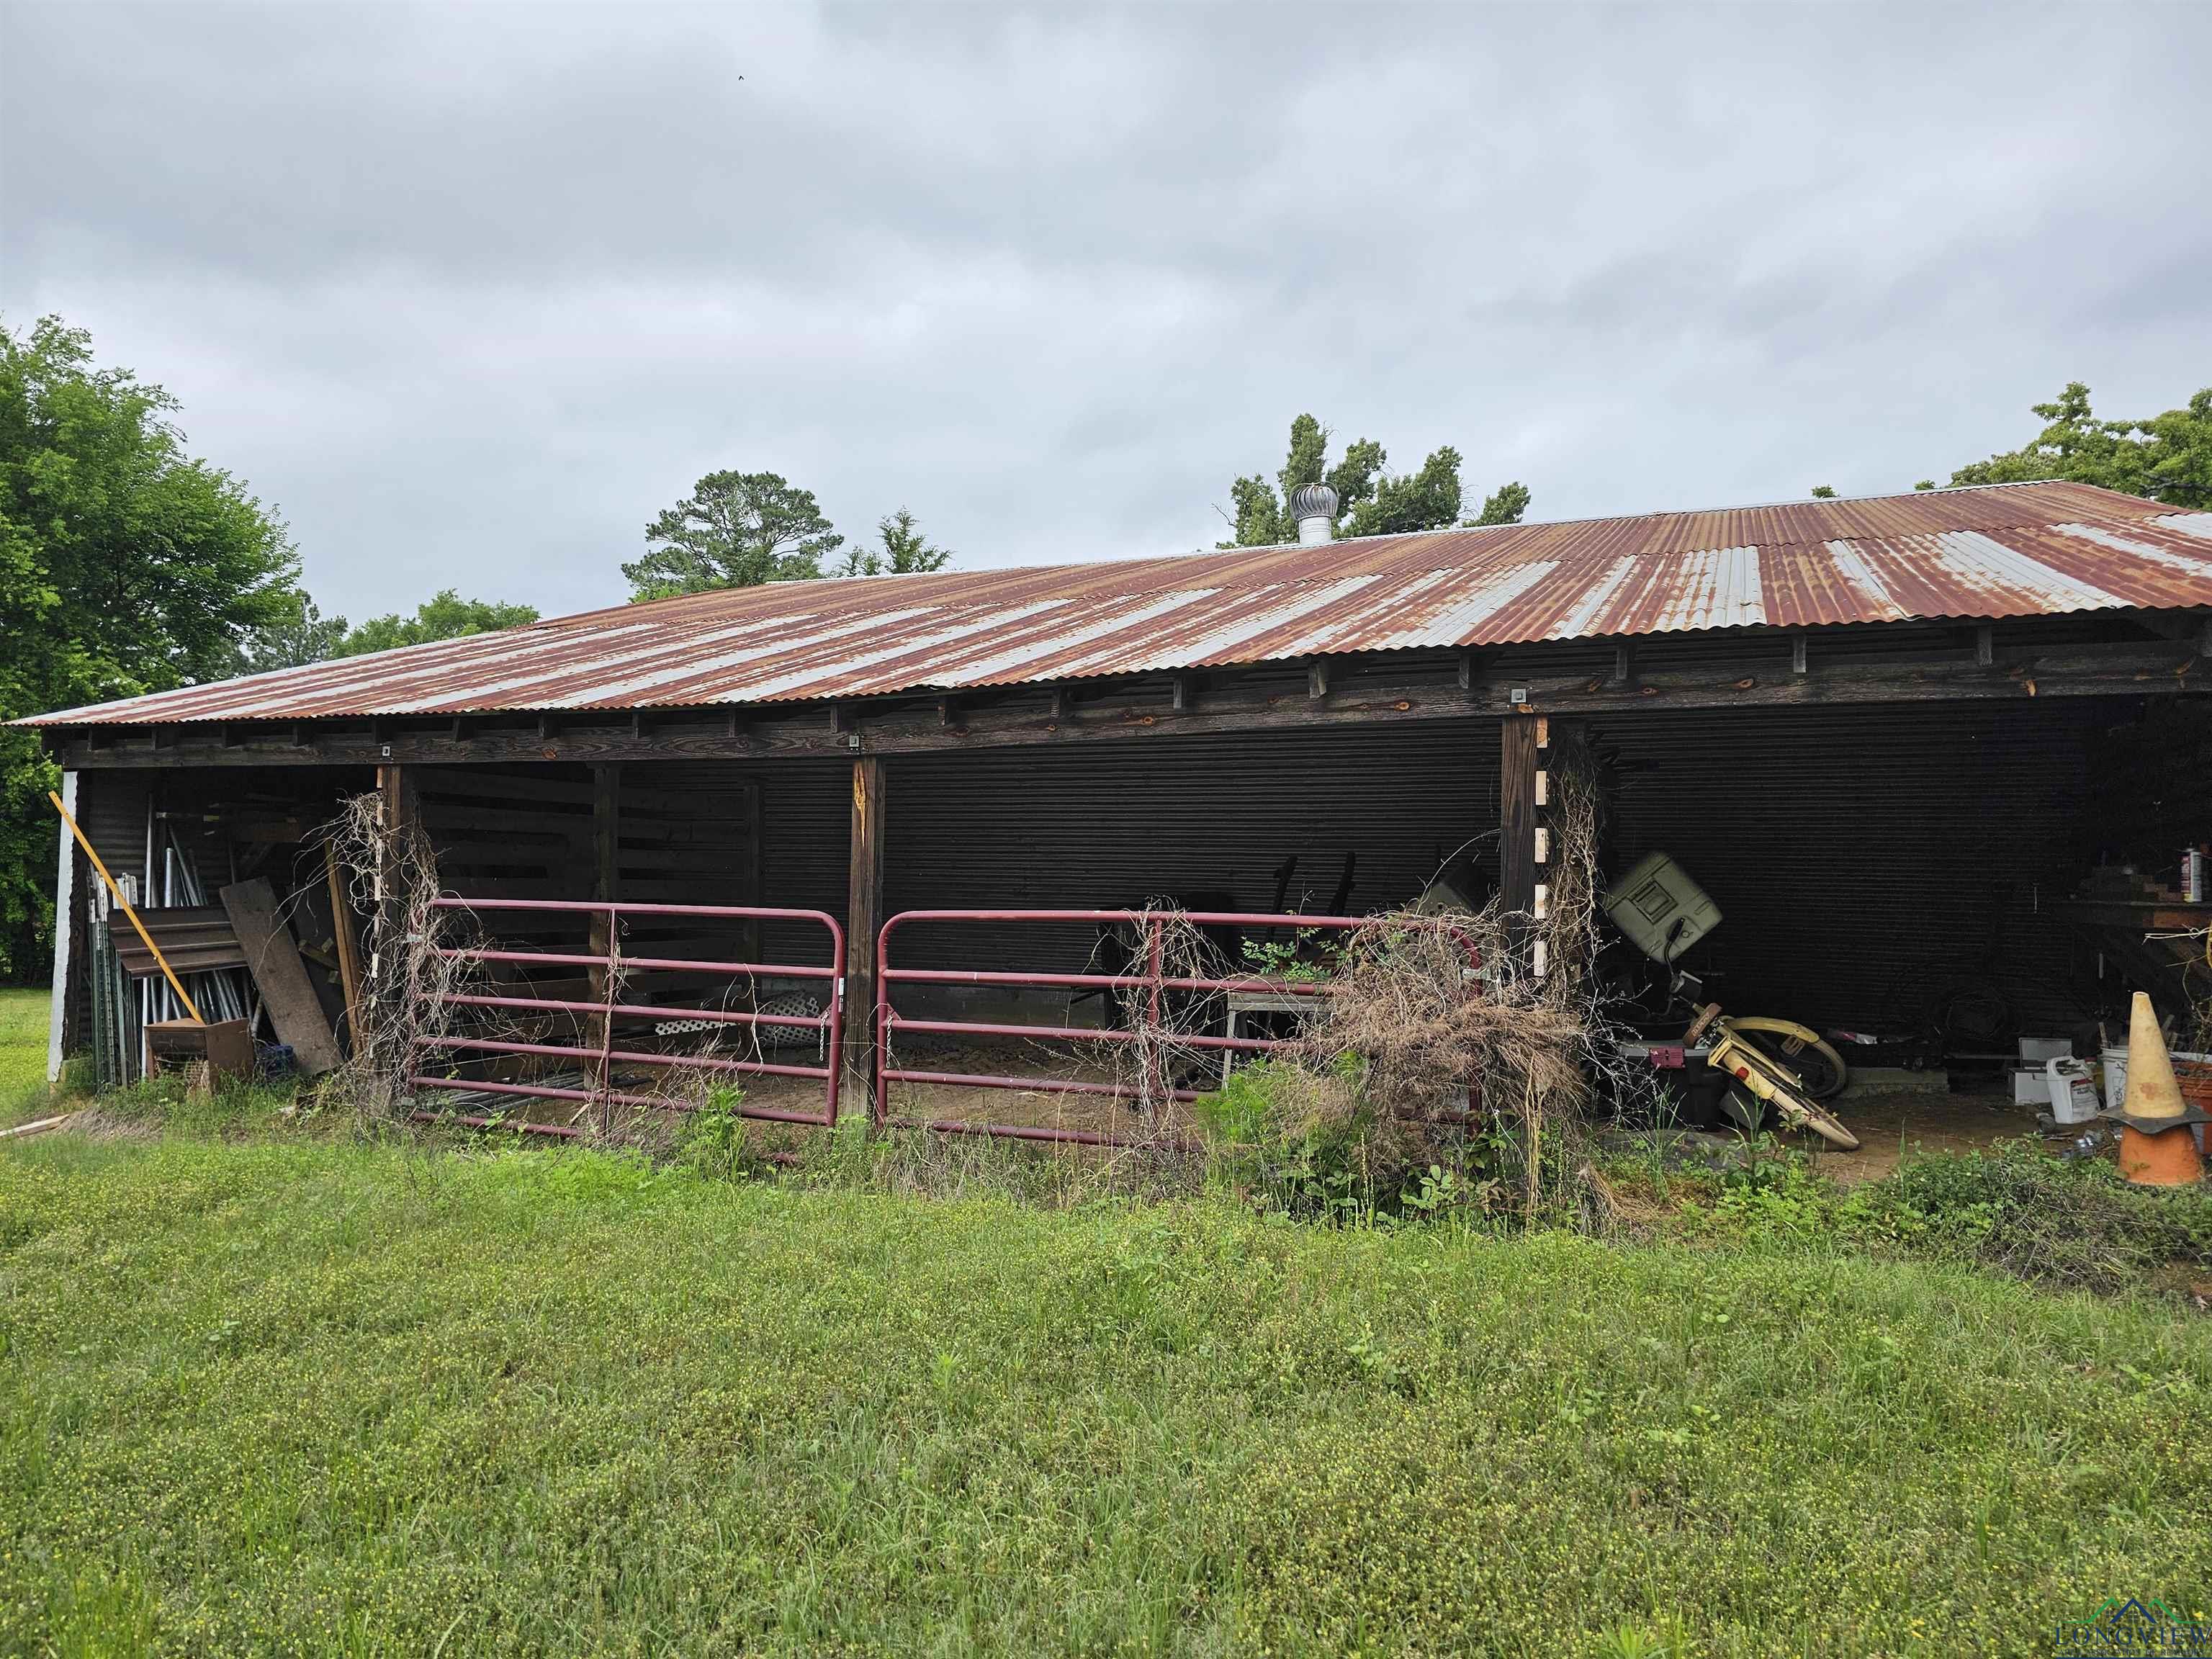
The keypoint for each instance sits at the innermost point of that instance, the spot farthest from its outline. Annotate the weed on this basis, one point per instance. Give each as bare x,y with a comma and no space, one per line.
711,1140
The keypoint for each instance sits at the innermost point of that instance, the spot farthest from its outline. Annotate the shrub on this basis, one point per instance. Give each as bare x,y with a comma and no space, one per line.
711,1140
2020,1210
1316,1144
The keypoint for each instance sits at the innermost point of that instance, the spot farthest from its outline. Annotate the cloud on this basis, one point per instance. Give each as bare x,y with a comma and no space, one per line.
472,292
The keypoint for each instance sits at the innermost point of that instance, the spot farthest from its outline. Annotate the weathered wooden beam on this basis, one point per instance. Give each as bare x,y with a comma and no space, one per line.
1985,649
1518,770
399,811
1181,697
863,914
1318,679
1800,654
1113,713
1624,663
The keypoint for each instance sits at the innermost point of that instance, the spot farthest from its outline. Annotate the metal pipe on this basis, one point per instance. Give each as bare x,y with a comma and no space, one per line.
548,1091
1030,1132
1032,1085
1099,981
673,964
628,1057
641,1010
1080,1033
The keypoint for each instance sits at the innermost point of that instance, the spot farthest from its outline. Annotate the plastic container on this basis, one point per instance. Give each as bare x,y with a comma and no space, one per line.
2073,1095
2036,1050
1660,910
2115,1060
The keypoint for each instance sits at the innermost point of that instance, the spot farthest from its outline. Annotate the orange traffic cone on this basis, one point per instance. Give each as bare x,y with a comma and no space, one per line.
2151,1156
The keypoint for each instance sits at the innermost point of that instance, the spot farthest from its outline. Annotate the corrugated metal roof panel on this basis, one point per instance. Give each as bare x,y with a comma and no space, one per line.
2005,550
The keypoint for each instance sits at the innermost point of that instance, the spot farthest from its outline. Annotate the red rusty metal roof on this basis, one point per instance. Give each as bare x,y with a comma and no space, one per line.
1995,551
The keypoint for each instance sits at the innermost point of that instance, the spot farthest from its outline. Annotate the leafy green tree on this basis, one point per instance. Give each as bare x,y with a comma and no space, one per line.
306,635
125,567
303,637
1824,492
905,551
446,615
1371,500
2168,458
1427,500
1504,505
734,530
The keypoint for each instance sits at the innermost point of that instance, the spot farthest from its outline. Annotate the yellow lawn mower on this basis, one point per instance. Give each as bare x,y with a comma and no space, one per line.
1767,1062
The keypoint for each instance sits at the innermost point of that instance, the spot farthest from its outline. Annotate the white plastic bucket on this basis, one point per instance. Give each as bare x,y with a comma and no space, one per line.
2116,1077
2073,1095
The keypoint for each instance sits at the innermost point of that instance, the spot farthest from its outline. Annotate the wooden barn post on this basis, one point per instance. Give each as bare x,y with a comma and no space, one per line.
863,914
1522,739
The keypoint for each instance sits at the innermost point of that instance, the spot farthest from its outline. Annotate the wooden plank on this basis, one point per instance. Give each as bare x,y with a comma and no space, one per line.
1516,818
863,914
400,811
349,944
274,961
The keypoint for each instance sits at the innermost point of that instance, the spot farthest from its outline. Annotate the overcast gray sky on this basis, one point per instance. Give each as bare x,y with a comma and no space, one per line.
471,293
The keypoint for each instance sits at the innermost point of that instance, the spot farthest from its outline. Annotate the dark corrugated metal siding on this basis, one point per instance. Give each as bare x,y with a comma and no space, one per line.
1113,823
1866,858
111,808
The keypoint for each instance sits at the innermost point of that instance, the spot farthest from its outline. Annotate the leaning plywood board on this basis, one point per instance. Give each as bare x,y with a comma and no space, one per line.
274,961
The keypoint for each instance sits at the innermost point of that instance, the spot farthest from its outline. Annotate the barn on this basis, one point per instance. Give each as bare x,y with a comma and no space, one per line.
1935,757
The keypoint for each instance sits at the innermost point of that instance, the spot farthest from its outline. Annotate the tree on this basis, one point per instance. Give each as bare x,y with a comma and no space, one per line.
303,637
125,567
1371,500
306,635
734,530
906,551
446,615
1824,492
2168,458
1504,505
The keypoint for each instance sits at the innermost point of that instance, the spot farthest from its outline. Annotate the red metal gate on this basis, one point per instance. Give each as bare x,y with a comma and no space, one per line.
607,964
1155,982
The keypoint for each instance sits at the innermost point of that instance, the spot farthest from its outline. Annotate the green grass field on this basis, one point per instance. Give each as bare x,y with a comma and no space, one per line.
316,1397
22,1052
